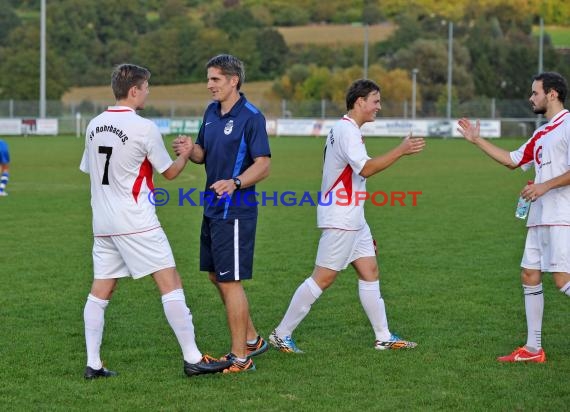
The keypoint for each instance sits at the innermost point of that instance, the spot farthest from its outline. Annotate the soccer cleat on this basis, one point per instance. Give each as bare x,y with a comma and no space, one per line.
206,365
286,344
209,359
523,355
252,349
91,373
257,348
395,342
3,194
238,366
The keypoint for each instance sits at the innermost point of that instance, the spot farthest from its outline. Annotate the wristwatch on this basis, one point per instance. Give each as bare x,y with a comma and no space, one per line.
237,182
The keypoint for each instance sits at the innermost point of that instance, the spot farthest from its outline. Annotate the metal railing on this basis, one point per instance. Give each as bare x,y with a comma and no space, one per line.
516,117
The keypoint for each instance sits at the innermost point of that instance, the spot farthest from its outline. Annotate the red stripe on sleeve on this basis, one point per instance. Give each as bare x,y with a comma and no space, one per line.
528,153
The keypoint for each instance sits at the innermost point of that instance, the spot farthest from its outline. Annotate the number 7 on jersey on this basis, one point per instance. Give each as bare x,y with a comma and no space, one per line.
108,151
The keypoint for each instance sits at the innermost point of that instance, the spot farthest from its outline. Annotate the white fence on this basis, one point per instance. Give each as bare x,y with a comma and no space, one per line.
275,127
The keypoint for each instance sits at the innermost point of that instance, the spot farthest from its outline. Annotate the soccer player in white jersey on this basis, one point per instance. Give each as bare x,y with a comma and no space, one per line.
346,237
548,236
121,151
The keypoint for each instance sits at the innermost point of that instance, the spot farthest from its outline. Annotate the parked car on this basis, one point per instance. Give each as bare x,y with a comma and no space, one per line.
440,129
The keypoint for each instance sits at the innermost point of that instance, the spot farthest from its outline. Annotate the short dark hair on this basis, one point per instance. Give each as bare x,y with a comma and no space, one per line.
125,76
553,81
229,65
360,88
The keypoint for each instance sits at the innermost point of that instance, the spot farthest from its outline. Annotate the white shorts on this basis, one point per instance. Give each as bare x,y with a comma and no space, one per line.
547,249
134,255
339,248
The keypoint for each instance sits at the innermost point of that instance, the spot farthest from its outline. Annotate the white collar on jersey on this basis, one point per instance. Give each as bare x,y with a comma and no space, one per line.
120,109
351,120
558,115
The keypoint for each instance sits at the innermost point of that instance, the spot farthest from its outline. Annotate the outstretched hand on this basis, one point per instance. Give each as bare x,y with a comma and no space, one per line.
412,145
470,131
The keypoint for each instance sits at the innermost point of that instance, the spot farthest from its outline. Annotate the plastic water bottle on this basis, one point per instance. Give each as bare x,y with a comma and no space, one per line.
523,205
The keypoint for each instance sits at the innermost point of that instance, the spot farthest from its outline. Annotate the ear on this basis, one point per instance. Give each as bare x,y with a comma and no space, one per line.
133,91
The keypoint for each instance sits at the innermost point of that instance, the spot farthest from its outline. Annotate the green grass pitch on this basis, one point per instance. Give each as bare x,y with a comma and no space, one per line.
450,279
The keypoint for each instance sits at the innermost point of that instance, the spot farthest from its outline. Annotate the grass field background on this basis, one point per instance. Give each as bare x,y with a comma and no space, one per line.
450,279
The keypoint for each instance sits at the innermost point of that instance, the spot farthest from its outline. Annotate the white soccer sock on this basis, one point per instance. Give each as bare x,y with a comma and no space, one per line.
94,318
534,307
180,319
373,305
305,295
4,179
253,341
566,289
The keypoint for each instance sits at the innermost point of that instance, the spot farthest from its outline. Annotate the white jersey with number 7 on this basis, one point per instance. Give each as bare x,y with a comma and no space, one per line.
121,150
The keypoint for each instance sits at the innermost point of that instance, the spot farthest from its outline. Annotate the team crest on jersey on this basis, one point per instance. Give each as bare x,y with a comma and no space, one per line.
229,127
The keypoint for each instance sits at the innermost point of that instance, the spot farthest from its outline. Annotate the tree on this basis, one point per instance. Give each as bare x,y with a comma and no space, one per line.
554,12
262,14
273,53
9,20
395,86
235,20
409,29
20,72
371,13
315,87
306,84
120,20
494,51
504,58
206,44
81,32
164,62
287,14
285,86
71,33
172,9
430,57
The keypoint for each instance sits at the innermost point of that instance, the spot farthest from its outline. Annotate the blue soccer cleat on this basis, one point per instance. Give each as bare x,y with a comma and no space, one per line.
286,344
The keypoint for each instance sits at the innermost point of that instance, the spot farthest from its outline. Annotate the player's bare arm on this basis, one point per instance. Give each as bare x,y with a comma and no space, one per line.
183,149
409,146
534,191
471,133
258,171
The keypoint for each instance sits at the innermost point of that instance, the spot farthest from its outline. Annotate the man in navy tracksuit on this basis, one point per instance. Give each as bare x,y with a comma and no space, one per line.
234,146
